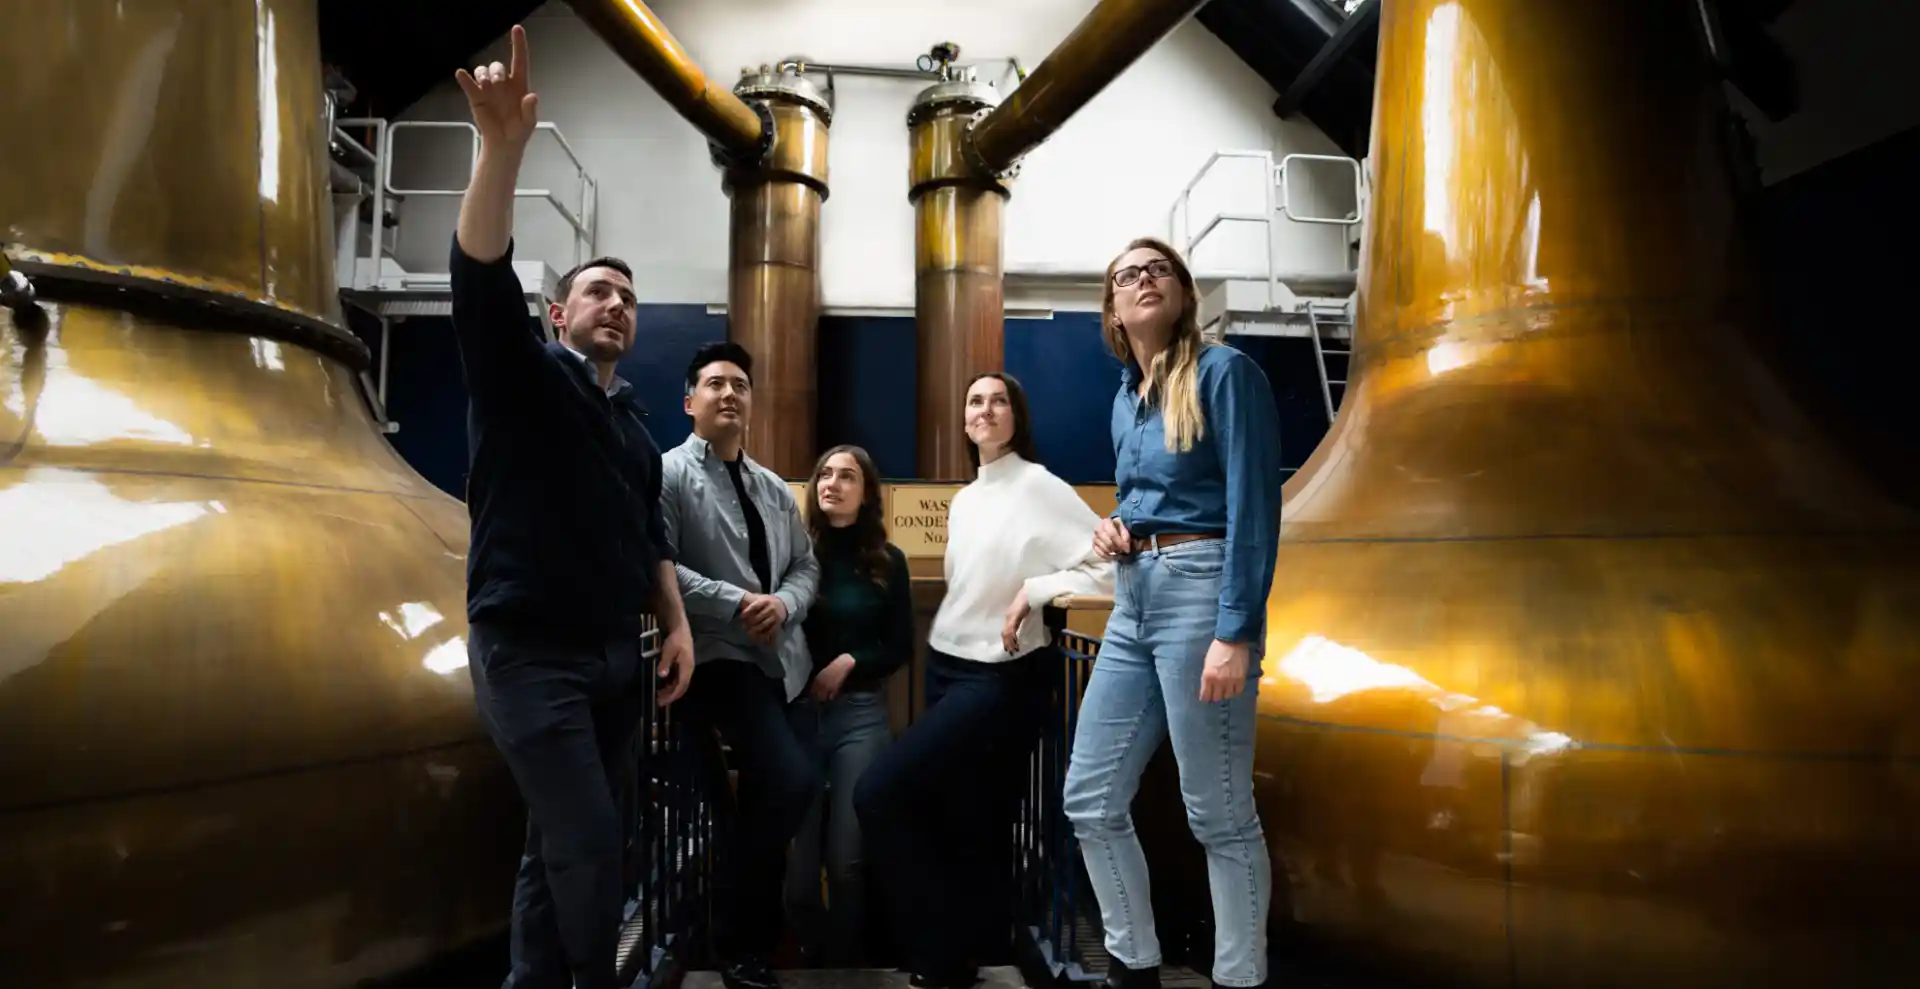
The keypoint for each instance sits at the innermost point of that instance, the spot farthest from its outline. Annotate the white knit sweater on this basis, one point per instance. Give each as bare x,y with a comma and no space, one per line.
1016,529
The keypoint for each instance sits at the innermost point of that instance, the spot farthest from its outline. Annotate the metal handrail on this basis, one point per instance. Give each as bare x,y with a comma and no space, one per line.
1180,216
669,813
1286,203
1279,202
1050,878
583,222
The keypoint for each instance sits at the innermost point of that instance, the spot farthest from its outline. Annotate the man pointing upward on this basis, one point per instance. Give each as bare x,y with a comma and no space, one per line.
569,551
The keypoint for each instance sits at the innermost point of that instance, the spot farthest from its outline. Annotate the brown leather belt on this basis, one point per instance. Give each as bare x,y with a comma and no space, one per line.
1164,540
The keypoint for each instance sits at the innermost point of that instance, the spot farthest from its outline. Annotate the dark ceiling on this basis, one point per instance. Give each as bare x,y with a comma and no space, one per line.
394,51
1317,56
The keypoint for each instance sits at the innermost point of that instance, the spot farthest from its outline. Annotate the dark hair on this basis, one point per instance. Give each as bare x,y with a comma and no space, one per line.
869,528
725,350
565,288
1022,441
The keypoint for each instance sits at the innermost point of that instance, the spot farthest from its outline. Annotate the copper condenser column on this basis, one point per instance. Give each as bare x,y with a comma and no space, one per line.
956,251
773,288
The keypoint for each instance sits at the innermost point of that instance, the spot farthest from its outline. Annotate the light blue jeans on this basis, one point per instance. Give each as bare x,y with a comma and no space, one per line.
853,730
1146,687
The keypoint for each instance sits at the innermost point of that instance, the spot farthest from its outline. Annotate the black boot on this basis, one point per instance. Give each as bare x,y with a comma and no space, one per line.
1120,976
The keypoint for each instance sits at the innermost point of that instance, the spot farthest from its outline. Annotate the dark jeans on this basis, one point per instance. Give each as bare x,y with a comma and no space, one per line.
772,748
563,716
853,731
937,808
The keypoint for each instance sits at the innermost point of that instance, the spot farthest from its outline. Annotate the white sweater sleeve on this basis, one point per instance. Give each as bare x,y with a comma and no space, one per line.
1065,526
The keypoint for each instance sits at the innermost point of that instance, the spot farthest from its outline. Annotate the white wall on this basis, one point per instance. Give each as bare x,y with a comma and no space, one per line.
1110,174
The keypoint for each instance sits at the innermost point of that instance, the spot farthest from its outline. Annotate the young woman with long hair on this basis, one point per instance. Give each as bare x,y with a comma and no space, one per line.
859,631
937,807
1197,446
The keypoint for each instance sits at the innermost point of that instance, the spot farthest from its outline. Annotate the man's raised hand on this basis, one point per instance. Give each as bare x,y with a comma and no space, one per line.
503,108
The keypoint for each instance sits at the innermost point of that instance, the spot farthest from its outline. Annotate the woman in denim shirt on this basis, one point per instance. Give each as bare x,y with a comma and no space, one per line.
1197,442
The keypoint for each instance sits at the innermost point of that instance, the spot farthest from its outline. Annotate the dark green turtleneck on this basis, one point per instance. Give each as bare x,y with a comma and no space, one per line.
852,615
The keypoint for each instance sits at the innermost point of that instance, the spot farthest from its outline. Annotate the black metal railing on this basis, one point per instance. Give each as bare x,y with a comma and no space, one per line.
1055,908
670,816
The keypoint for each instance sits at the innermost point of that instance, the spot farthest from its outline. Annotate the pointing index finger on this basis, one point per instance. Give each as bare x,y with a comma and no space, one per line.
519,67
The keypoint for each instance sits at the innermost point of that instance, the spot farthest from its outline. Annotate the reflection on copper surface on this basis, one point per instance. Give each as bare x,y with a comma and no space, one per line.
58,517
1591,663
238,743
73,411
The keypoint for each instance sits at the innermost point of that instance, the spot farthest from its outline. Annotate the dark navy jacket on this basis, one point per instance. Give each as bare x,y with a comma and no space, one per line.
563,483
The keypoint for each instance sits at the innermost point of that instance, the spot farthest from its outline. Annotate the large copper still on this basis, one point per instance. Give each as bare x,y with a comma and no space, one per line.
237,737
1588,662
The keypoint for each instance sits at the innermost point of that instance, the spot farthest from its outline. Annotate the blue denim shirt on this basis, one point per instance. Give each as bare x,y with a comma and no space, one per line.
1229,482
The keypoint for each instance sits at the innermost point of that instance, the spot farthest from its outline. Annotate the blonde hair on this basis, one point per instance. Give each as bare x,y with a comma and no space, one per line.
1173,381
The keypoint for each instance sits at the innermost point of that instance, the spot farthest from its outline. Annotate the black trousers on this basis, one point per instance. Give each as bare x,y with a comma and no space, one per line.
563,715
772,743
937,808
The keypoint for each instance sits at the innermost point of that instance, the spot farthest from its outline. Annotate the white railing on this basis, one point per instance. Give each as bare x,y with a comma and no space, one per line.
583,218
1180,219
370,277
1278,197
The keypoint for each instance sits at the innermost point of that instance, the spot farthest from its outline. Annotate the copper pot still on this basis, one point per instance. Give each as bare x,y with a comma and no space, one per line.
1588,662
237,737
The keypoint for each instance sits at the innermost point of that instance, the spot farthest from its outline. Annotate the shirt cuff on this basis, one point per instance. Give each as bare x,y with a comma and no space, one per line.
1236,625
792,601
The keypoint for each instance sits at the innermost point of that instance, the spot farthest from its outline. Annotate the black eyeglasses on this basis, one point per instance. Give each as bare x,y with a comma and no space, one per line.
1158,268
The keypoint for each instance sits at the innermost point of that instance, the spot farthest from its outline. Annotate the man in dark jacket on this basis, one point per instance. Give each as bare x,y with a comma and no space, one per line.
569,552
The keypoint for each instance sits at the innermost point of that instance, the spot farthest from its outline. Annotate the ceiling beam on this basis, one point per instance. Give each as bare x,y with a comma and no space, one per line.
1356,26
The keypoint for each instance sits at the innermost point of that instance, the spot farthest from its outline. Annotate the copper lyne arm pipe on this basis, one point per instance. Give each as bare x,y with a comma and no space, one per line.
1109,39
637,36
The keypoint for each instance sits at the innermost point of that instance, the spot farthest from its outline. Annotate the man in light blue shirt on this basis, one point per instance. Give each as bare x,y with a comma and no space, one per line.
748,575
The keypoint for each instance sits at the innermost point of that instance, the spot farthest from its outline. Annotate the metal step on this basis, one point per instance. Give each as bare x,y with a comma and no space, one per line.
861,978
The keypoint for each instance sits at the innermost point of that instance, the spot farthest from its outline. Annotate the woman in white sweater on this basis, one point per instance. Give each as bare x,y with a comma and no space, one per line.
937,807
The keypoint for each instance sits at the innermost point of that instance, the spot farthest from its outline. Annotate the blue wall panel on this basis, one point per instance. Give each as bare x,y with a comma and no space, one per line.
1070,380
427,396
866,389
1295,381
867,383
665,338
